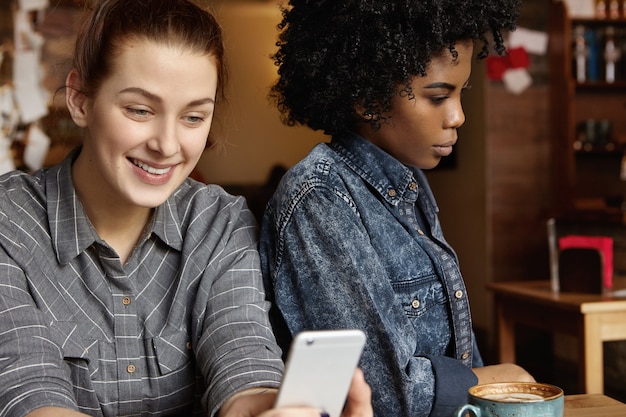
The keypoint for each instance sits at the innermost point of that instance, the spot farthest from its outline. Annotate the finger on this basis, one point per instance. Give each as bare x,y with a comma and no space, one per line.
359,402
294,412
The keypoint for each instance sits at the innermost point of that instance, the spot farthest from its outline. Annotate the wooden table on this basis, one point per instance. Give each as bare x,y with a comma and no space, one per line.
592,319
593,405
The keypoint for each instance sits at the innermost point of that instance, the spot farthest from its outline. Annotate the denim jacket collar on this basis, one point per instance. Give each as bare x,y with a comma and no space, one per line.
394,181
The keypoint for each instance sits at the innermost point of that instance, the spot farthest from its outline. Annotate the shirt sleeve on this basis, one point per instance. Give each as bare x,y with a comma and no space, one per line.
448,374
325,274
32,372
236,348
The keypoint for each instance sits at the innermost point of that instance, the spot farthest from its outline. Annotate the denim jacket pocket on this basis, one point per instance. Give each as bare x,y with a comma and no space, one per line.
173,350
419,295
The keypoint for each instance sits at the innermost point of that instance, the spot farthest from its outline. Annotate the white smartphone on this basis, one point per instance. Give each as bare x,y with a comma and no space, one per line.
319,369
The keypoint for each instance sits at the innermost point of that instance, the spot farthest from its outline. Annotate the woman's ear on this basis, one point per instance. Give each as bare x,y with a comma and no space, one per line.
360,110
75,99
362,114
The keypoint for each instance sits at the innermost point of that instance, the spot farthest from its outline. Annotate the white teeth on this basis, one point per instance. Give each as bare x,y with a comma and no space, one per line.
150,169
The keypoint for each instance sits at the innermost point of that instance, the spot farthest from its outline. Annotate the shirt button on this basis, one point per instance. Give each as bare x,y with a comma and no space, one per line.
465,356
188,345
131,368
415,303
412,186
458,294
392,193
126,301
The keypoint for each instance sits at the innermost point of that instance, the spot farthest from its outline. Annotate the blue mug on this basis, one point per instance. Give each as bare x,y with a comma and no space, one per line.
513,399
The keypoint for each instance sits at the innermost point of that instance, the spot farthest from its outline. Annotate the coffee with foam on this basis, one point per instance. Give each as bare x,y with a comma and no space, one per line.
507,399
514,397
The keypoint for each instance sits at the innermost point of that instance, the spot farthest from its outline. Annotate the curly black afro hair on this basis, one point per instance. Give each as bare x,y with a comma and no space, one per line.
335,55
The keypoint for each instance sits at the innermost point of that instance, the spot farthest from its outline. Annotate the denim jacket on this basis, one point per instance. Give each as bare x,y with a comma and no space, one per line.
351,239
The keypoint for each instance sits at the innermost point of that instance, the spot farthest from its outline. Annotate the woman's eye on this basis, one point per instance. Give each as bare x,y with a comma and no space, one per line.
137,111
194,119
438,99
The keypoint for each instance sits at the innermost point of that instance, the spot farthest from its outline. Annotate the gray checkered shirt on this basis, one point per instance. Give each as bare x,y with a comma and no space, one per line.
177,330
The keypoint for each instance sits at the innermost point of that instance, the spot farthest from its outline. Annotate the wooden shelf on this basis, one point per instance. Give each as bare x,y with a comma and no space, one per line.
617,151
601,86
596,21
593,174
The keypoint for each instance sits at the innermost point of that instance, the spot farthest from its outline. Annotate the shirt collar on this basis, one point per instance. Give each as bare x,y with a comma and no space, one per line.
394,181
70,229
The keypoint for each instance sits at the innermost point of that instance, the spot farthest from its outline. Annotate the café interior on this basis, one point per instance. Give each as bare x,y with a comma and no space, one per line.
532,199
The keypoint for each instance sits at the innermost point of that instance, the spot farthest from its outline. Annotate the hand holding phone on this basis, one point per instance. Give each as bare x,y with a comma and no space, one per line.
319,369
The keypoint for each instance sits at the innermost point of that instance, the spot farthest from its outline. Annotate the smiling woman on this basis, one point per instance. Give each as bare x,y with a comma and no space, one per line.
127,287
146,127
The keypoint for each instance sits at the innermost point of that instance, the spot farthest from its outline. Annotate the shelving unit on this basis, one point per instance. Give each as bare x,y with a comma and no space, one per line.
586,179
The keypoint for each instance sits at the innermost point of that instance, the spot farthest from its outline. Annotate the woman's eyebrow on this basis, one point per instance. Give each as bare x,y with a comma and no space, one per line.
142,92
447,86
155,98
201,101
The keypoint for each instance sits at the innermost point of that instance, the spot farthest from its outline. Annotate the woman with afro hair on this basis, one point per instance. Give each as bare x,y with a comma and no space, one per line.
351,237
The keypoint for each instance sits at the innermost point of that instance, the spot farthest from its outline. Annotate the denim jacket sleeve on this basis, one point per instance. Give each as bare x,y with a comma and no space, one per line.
322,271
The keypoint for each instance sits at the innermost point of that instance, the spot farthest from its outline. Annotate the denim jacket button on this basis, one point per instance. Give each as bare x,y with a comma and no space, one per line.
458,294
412,186
392,193
465,356
420,231
415,303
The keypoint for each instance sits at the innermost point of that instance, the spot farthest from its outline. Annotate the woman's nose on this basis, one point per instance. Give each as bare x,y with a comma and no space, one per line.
165,139
455,117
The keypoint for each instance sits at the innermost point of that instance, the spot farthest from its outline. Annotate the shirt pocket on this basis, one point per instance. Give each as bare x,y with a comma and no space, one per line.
419,295
67,337
80,355
172,350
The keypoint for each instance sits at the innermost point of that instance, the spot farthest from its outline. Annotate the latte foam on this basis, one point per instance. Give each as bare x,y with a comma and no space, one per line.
513,397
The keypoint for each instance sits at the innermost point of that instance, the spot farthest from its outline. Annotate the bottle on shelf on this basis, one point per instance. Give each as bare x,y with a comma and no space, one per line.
613,9
601,9
587,54
592,134
581,54
612,54
594,59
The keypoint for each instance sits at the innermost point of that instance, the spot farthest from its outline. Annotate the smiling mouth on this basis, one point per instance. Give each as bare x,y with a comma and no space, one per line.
149,169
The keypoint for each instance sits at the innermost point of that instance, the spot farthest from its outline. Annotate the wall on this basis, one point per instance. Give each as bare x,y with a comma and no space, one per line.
253,137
